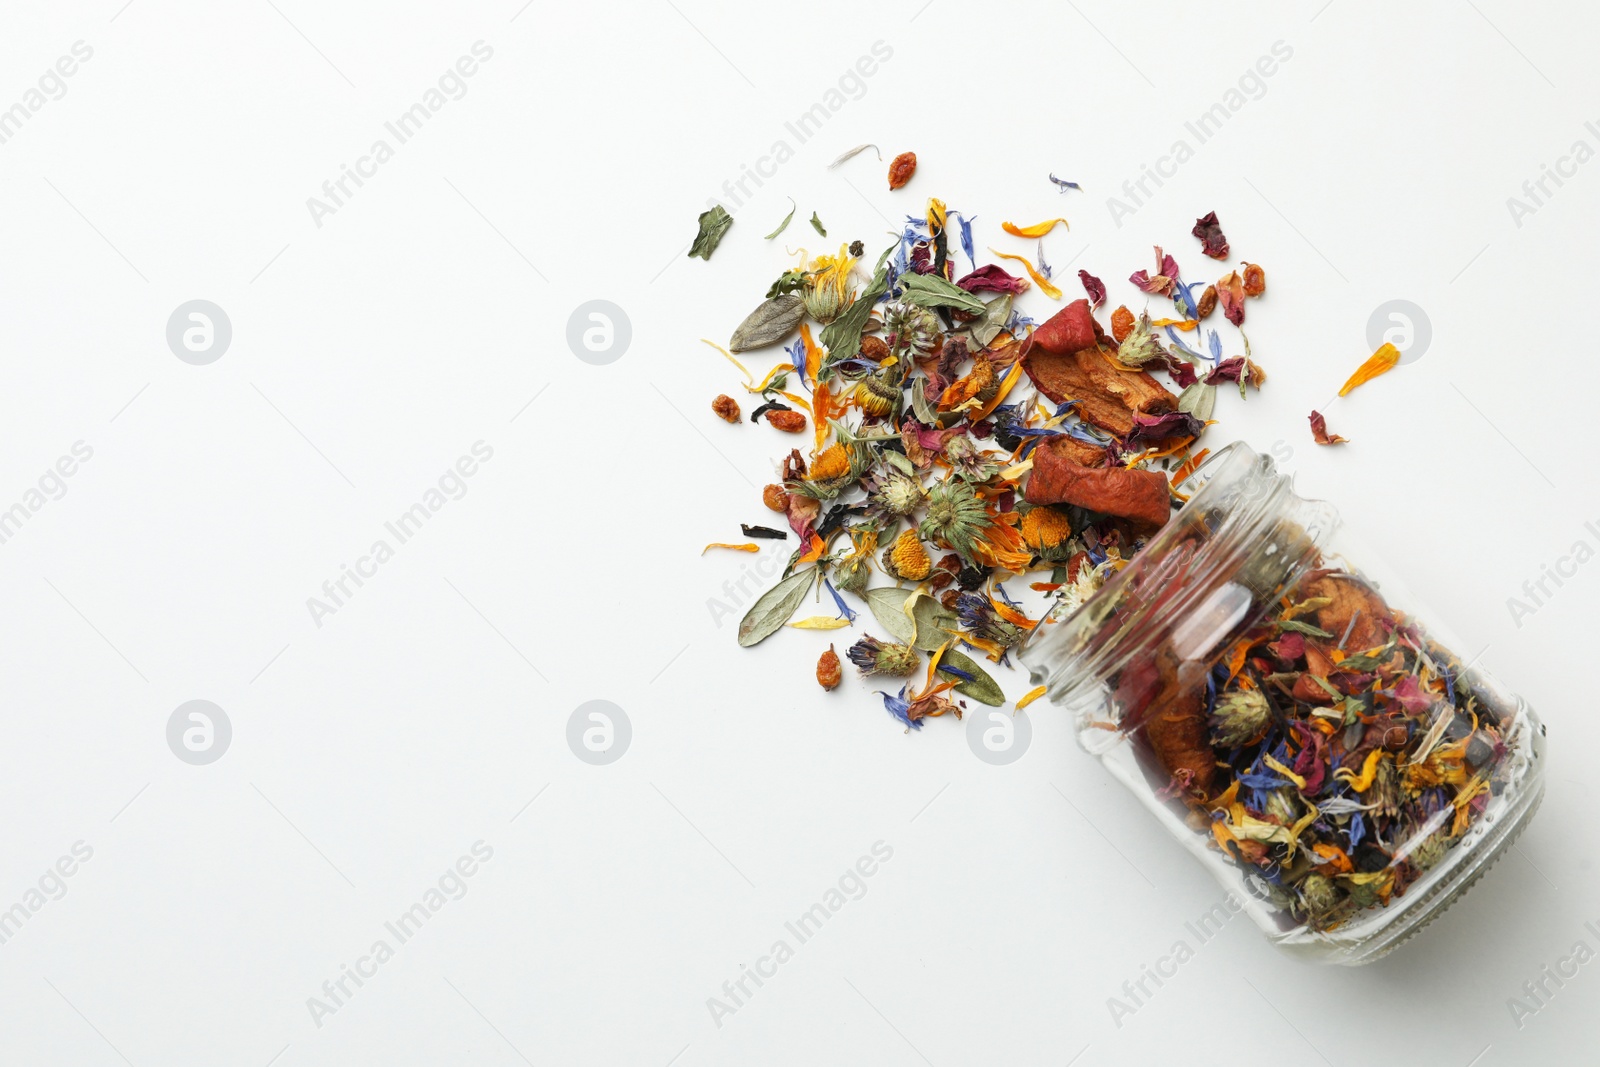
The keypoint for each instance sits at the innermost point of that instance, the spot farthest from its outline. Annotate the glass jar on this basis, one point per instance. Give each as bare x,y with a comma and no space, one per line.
1333,761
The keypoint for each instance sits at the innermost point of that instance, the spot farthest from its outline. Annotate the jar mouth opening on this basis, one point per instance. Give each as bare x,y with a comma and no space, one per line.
1240,541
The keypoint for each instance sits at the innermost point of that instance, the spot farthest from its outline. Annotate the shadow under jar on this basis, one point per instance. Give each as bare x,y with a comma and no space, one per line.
1270,693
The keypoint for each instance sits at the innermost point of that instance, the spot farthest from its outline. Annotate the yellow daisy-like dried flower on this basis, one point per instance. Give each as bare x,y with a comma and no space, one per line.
1045,528
827,290
910,559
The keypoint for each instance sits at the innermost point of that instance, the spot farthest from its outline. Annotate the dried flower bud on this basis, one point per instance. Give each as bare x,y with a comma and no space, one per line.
834,462
874,348
857,249
875,657
828,673
1208,303
787,421
726,407
1240,716
1044,528
1319,894
776,498
852,573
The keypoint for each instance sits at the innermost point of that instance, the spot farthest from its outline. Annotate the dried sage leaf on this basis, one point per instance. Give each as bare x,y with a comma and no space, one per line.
935,623
774,607
982,688
784,225
713,224
769,323
931,291
996,313
888,606
1198,400
816,224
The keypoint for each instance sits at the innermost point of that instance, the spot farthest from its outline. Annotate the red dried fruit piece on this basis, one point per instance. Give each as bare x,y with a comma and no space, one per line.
901,169
726,407
874,348
1068,330
1122,321
1138,495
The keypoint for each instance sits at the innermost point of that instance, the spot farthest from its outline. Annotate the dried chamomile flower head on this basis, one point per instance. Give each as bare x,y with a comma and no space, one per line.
899,494
876,657
1240,716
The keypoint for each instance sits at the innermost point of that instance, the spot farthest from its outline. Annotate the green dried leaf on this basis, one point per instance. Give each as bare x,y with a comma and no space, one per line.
1302,628
842,336
932,291
774,608
713,224
996,313
983,688
784,225
920,406
769,323
1198,400
888,606
788,282
935,623
816,224
899,462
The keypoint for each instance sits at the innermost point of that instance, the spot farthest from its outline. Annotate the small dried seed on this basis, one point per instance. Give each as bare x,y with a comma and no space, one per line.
1208,303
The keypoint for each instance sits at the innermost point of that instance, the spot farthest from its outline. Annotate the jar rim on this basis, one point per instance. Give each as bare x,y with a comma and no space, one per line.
1243,524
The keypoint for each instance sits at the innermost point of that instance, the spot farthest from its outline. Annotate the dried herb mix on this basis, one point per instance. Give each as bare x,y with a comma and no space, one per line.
954,443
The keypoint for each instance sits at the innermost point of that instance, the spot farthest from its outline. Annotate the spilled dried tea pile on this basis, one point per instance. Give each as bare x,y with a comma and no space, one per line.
953,444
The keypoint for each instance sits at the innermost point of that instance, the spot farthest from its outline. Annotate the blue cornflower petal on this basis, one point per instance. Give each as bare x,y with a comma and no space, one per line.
844,609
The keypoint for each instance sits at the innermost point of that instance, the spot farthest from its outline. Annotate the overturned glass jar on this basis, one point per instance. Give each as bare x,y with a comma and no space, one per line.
1274,699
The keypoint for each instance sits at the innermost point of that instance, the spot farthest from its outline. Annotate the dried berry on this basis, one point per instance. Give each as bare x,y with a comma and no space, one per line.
949,598
776,498
787,421
726,407
972,578
901,170
874,348
828,673
1121,324
1208,303
857,249
1255,280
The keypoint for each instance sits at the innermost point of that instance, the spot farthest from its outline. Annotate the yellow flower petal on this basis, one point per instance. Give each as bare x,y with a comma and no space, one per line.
1040,280
1030,696
821,622
1381,362
748,547
1038,229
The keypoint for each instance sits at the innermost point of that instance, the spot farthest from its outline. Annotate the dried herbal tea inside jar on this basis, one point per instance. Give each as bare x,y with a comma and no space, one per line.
1276,701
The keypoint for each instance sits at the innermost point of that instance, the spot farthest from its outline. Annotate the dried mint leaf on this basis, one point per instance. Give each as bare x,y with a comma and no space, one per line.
816,224
996,313
713,224
931,291
842,336
784,225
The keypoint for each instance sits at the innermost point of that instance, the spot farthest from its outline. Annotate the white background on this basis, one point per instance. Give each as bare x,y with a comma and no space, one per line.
368,354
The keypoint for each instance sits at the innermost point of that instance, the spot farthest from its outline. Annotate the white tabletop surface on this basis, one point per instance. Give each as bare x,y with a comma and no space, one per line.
377,340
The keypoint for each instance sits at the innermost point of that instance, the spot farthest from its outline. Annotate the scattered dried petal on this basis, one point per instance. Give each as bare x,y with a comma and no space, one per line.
1319,431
